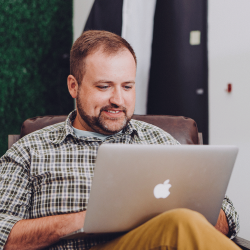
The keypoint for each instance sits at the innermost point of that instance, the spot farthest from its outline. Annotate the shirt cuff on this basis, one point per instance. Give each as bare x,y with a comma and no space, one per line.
6,224
232,217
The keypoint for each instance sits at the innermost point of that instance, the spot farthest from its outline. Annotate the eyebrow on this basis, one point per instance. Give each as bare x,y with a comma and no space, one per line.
106,81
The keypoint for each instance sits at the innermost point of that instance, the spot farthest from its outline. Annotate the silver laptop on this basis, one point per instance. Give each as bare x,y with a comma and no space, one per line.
134,183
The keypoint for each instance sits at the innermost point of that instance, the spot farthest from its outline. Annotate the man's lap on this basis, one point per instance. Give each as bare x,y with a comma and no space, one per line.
175,229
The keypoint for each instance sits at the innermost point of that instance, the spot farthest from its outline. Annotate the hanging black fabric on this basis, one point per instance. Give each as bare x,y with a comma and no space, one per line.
178,77
178,82
106,15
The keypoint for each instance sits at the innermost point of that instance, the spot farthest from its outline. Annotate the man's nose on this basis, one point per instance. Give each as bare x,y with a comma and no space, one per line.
117,97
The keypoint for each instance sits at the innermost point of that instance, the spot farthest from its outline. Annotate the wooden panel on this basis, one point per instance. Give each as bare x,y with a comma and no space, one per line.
200,138
242,243
12,139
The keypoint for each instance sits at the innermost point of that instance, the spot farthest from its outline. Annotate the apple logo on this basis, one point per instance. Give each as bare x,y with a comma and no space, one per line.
162,190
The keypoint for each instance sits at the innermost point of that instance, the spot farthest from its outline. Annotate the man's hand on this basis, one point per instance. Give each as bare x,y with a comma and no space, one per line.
42,232
222,224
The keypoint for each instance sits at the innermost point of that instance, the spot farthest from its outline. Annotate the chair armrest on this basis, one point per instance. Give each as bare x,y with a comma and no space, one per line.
183,129
200,137
12,139
242,243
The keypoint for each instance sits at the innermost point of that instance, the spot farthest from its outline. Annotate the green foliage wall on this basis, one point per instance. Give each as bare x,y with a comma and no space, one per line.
35,40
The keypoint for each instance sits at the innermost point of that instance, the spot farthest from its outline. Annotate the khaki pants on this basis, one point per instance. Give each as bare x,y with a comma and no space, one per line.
175,229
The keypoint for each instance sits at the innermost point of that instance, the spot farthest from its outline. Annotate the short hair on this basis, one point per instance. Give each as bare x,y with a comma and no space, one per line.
89,42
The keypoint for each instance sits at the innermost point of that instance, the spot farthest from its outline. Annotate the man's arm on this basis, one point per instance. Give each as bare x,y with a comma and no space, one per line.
228,221
232,217
42,232
222,224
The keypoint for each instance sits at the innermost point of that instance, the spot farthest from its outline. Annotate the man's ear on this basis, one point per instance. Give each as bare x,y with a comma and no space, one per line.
72,86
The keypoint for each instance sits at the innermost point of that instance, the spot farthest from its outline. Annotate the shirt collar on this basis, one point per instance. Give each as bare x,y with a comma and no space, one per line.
68,129
133,128
130,128
69,123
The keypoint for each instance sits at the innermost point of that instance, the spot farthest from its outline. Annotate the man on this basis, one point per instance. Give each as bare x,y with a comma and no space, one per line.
45,178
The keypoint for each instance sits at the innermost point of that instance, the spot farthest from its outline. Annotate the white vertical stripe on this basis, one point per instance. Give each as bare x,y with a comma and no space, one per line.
81,9
137,29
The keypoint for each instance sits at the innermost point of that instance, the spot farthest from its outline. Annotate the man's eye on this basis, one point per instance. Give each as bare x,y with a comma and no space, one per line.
103,87
128,87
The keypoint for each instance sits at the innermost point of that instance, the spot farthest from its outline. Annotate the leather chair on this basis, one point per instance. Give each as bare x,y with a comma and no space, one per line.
181,128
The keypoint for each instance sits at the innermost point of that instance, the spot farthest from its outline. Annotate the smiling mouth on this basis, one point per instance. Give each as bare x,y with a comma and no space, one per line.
114,112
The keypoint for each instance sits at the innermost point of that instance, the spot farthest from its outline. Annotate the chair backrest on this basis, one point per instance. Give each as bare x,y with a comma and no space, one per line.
181,128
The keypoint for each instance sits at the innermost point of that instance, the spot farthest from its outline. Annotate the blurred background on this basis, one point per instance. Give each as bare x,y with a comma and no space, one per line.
189,54
35,40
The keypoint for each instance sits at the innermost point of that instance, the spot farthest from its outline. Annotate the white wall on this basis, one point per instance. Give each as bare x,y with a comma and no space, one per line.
81,9
135,15
229,62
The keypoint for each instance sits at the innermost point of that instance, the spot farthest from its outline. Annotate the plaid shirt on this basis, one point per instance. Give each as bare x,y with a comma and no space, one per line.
50,171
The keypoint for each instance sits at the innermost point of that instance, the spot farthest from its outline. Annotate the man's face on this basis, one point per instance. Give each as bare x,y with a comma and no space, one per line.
106,96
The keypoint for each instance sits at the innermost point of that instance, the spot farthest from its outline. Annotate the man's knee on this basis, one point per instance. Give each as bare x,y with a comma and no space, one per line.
182,218
172,227
181,215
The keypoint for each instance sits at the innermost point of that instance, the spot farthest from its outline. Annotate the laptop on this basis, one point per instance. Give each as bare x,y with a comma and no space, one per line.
134,183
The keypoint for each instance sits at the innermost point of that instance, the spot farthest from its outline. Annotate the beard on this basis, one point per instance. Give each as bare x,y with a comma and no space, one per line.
102,124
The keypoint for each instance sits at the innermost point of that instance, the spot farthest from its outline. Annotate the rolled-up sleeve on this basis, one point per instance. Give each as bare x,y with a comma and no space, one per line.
7,222
232,217
15,190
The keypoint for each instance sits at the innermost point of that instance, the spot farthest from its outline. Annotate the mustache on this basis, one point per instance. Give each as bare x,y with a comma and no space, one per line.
107,107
